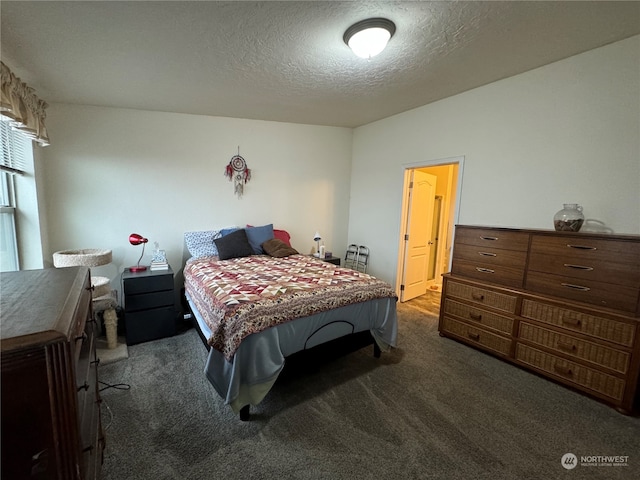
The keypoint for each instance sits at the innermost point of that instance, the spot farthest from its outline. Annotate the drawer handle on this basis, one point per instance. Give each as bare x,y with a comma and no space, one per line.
477,296
96,362
567,347
578,267
485,270
84,387
488,254
87,449
475,316
488,238
563,370
576,287
572,322
581,247
82,337
473,336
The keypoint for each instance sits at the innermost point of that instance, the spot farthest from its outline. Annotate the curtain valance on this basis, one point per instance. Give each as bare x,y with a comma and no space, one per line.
21,107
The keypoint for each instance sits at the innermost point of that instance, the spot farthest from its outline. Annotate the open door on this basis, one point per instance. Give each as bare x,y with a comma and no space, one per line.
422,194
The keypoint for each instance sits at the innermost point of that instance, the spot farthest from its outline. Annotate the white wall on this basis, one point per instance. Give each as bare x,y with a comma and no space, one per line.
112,172
568,132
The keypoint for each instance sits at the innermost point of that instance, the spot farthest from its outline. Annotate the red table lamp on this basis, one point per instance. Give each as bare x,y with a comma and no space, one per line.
135,239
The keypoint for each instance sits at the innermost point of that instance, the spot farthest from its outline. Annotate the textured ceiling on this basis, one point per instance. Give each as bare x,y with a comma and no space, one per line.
286,61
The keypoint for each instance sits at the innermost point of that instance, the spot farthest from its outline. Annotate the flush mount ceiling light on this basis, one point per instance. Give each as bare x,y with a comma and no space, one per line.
368,38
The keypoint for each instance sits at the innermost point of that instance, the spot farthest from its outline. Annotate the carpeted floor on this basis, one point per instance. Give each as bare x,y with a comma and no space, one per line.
431,408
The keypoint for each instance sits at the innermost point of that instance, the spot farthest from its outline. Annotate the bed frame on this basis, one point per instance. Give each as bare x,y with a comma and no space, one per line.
358,339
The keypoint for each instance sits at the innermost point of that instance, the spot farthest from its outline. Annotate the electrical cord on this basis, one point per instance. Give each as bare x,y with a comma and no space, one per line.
117,386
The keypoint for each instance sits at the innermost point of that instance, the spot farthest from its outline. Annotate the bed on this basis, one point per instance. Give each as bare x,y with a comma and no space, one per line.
256,309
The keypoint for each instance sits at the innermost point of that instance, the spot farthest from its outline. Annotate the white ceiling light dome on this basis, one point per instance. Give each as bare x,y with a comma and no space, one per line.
369,37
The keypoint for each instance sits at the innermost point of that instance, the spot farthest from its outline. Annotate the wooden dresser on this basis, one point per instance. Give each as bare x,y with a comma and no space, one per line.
563,304
51,426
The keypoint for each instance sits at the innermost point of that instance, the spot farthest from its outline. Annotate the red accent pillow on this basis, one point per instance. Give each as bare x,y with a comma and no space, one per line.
279,234
282,235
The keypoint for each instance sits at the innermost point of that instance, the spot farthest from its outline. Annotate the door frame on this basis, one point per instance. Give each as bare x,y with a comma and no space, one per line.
406,172
441,234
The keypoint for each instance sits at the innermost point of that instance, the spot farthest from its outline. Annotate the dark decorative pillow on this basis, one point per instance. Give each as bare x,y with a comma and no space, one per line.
277,248
233,245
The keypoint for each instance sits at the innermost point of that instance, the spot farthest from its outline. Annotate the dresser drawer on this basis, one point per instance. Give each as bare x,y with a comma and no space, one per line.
482,296
477,336
594,380
592,325
587,269
486,272
595,353
83,311
476,315
91,453
89,410
490,238
584,248
607,295
491,256
85,345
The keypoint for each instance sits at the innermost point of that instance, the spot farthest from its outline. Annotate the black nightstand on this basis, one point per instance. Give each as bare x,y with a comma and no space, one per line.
149,305
334,260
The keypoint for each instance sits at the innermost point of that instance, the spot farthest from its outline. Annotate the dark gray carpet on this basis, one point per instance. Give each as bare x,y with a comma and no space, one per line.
432,408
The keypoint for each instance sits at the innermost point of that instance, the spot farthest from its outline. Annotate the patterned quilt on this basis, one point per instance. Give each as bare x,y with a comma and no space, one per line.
242,296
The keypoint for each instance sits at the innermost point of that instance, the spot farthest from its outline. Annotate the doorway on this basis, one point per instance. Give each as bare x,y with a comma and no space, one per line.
430,210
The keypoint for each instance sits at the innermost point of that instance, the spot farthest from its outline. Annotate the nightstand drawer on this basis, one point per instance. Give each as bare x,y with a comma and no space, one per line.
148,300
147,325
148,282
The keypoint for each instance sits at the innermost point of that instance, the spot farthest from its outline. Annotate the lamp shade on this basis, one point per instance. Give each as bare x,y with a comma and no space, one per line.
369,37
135,239
317,237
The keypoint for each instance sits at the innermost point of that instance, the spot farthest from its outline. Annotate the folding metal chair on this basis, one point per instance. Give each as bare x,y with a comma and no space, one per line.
363,259
351,257
357,257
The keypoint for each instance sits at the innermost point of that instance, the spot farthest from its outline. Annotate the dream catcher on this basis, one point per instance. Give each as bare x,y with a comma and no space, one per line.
238,172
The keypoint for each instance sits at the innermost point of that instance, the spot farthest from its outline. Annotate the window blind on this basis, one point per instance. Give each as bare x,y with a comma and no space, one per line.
14,149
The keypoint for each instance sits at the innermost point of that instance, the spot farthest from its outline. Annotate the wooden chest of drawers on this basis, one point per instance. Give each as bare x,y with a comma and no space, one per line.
572,315
51,426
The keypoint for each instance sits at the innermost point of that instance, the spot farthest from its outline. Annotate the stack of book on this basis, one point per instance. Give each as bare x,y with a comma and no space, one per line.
159,260
159,265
